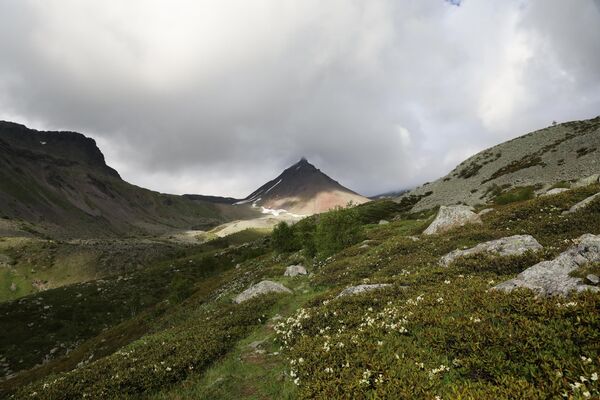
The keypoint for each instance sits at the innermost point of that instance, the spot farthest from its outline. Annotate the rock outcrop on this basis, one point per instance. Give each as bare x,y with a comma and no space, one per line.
507,246
552,277
263,287
582,204
452,217
554,191
588,180
295,270
352,290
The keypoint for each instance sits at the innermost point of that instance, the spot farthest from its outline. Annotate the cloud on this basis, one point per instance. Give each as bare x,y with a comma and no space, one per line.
217,97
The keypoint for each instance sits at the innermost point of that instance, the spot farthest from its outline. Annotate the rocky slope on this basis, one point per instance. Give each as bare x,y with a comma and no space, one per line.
302,189
58,184
540,159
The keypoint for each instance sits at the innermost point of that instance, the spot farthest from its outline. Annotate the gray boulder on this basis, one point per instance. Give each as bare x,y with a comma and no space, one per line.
485,211
592,278
260,288
589,180
383,222
554,191
352,290
552,277
452,217
295,270
507,246
582,204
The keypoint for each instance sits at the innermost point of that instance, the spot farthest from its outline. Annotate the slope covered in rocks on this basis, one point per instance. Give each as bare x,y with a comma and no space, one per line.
551,156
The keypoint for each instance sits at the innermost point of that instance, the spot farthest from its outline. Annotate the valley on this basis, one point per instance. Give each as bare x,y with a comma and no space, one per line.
417,296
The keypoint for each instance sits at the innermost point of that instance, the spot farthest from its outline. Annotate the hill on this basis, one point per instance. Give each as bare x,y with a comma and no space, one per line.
58,184
556,155
302,189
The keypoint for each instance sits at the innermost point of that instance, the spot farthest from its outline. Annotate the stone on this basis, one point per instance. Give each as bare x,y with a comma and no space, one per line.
589,180
554,191
594,279
352,290
295,270
13,287
383,222
507,246
450,217
485,211
582,204
552,277
263,287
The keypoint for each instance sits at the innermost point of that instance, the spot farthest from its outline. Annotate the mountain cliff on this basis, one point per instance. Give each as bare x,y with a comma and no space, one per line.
58,184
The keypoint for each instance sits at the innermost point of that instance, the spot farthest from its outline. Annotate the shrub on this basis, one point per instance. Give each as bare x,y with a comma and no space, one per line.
514,195
180,288
283,239
336,230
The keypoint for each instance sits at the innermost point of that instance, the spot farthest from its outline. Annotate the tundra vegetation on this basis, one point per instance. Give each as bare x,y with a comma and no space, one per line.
436,332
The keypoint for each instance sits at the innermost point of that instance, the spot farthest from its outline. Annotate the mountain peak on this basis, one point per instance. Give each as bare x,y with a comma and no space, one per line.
304,189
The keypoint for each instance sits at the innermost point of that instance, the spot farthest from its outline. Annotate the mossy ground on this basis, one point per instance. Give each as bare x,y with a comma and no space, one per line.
436,332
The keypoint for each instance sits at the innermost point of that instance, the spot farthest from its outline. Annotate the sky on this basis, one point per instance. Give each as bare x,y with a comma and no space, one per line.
217,97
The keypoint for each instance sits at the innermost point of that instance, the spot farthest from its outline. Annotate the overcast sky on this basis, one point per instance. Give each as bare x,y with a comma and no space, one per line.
217,97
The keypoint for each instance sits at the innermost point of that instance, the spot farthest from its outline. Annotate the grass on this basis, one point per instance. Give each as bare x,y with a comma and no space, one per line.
436,331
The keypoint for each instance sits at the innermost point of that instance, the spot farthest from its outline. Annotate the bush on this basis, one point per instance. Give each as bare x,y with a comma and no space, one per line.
283,239
180,288
336,230
516,194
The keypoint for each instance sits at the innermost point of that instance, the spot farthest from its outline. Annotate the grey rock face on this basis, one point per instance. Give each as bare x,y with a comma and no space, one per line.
260,288
507,246
589,180
452,217
582,204
552,277
352,290
295,270
554,191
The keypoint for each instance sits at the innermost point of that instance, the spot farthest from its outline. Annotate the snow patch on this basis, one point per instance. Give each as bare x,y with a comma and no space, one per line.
42,143
269,189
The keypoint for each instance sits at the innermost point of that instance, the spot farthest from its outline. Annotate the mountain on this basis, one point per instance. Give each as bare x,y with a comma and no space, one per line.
302,189
58,184
556,155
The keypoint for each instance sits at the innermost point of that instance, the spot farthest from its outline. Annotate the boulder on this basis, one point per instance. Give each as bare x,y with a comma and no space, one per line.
552,277
507,246
383,222
295,270
592,278
352,290
582,204
589,180
554,191
485,211
452,217
261,288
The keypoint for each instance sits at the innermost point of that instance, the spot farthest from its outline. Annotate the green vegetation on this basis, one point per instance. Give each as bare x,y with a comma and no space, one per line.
436,331
514,195
336,230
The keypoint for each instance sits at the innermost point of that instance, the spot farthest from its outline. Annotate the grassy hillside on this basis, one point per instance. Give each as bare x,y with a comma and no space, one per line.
57,184
436,332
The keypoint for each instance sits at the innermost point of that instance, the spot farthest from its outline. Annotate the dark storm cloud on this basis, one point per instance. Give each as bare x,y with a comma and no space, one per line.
217,96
